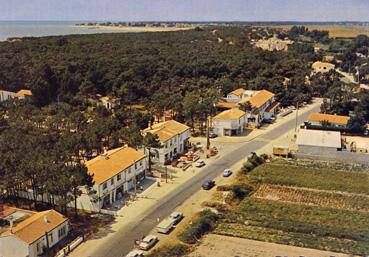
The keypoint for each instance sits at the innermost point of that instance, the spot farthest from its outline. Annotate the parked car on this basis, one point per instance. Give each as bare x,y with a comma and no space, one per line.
165,226
176,217
135,253
148,242
212,135
208,184
227,173
199,163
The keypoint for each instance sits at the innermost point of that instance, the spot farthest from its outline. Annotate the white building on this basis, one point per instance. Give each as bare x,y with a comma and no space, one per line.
173,137
237,95
322,67
109,102
263,106
318,142
30,233
21,94
229,123
114,173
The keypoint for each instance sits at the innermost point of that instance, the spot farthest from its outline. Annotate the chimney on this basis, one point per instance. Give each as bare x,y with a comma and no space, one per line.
11,225
46,219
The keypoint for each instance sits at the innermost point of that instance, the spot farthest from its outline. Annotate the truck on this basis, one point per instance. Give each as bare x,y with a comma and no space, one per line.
165,226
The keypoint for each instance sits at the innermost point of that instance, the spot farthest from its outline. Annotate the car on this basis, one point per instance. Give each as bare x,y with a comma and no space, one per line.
176,217
207,185
199,163
148,242
227,173
135,253
212,135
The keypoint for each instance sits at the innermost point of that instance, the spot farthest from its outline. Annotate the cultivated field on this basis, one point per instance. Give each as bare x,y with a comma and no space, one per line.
305,204
335,31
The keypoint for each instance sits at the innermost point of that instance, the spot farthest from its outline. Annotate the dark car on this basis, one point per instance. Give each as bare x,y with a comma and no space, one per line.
212,135
208,184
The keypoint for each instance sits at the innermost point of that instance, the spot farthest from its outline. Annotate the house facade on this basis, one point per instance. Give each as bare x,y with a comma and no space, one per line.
21,94
263,106
229,123
173,137
29,234
114,173
109,102
327,121
322,67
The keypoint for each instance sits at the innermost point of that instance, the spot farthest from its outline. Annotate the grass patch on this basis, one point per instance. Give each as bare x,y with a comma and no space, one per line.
324,179
175,250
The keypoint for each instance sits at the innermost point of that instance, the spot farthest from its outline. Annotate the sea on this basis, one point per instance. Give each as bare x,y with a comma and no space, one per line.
10,29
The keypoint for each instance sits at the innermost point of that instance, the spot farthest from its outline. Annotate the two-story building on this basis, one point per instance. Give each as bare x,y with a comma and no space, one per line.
237,95
29,234
263,106
322,67
173,137
327,121
229,123
114,173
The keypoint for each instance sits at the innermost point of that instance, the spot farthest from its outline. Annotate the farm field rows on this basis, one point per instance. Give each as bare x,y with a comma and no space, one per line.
307,206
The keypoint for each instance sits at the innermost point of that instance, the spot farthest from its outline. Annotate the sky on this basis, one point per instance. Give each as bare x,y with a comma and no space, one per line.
185,10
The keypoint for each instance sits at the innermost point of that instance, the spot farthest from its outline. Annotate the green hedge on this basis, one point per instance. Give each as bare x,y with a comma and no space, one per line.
205,223
175,250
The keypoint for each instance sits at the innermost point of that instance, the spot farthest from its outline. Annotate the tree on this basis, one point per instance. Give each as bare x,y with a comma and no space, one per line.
151,141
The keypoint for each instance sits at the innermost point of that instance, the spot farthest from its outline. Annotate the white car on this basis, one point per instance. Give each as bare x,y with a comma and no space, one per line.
135,253
227,173
148,242
199,163
176,217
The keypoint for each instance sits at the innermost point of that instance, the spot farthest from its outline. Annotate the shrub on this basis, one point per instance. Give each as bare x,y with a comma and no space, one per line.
205,223
224,188
175,250
241,191
247,167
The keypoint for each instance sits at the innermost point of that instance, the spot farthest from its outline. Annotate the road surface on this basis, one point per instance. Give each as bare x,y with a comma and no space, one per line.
122,242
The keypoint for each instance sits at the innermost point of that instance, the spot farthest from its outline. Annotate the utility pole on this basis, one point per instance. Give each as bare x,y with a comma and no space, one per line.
166,174
207,132
297,111
135,179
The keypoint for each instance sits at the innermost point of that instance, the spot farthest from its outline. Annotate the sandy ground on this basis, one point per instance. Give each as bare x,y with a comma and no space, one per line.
135,29
224,246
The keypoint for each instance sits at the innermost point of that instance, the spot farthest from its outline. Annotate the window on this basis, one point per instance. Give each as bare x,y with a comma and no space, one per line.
62,232
166,145
129,170
39,247
105,186
119,177
51,239
140,163
135,165
112,181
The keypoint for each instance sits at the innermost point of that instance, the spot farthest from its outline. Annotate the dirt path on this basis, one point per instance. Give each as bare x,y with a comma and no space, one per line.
224,246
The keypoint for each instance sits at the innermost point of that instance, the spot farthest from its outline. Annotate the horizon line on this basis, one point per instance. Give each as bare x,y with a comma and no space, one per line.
195,21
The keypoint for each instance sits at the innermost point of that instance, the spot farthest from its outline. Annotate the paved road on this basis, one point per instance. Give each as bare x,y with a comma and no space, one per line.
121,244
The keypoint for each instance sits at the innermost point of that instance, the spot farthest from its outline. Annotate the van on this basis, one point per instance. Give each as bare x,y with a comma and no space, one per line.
165,226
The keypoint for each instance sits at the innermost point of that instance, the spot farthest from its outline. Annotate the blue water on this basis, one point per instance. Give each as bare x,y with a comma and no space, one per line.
44,28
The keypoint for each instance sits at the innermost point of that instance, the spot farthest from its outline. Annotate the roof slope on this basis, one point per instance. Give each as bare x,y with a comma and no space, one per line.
104,168
232,114
319,138
25,92
322,64
336,119
166,130
259,99
31,229
238,91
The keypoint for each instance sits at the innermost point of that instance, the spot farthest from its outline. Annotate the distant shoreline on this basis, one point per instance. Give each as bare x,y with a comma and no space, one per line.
133,29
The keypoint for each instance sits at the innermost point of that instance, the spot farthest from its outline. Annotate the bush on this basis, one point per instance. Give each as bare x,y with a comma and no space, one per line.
224,188
247,167
176,250
205,223
241,191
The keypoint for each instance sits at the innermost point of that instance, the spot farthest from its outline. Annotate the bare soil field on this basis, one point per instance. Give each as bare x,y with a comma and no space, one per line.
322,198
225,246
335,31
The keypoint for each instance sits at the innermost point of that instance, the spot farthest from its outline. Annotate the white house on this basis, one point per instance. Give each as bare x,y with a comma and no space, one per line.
29,233
322,67
109,102
263,106
21,94
229,123
114,173
237,95
328,121
173,137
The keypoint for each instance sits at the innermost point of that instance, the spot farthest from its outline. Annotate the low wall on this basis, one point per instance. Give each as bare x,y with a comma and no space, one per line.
350,157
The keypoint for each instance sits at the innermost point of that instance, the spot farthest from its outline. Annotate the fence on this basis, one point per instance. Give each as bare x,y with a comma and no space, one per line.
70,247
